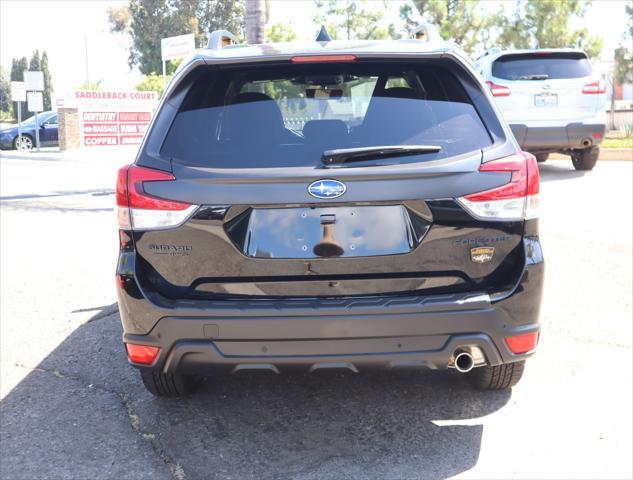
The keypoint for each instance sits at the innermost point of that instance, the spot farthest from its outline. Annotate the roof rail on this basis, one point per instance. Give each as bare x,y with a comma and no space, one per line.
221,38
490,51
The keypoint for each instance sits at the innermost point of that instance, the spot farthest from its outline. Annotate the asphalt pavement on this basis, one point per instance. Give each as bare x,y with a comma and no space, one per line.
71,407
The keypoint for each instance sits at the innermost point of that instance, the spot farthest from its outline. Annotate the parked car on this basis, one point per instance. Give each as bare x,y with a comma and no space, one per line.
347,205
48,132
552,99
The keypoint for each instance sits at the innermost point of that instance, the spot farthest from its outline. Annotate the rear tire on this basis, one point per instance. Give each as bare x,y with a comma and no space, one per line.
585,159
169,384
541,157
498,377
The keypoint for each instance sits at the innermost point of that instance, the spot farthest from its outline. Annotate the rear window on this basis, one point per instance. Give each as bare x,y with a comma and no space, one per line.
288,115
541,66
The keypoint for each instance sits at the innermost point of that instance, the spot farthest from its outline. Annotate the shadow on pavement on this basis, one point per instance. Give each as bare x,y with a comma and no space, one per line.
83,413
559,170
64,193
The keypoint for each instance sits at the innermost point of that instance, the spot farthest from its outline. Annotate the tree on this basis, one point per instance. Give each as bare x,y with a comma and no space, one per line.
623,57
152,83
545,23
36,62
279,32
17,75
353,20
119,18
255,20
90,86
48,82
462,21
5,94
147,21
622,63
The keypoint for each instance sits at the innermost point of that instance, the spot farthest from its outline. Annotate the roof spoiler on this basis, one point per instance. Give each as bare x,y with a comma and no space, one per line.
221,38
490,51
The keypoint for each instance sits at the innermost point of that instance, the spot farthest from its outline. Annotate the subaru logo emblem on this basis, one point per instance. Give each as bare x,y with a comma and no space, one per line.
327,188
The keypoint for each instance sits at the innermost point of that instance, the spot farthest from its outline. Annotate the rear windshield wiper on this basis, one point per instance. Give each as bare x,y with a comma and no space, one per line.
344,155
534,77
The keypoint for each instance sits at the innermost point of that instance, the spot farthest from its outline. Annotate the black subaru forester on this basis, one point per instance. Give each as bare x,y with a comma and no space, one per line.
346,205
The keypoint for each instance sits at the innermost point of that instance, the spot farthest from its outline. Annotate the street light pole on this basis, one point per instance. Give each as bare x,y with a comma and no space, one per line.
87,69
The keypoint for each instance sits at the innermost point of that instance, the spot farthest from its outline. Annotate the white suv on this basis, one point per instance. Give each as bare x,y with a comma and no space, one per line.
552,100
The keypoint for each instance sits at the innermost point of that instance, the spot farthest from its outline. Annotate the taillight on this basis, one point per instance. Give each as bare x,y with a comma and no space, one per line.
594,88
524,343
498,90
137,210
143,354
323,58
516,200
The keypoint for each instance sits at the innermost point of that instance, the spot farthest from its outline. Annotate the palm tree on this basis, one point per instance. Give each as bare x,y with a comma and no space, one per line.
255,21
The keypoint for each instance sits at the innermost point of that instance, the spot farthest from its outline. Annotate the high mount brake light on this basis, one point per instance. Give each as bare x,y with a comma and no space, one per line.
323,58
498,90
594,88
137,210
516,200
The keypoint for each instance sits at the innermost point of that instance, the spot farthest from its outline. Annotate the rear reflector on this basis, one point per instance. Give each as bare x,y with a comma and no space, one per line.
522,343
498,90
143,354
516,200
137,210
594,88
323,58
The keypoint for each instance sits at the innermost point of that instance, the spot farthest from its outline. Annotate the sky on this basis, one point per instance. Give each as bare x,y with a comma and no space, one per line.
65,28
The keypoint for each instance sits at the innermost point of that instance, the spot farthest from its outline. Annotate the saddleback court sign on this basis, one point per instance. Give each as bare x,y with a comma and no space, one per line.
112,118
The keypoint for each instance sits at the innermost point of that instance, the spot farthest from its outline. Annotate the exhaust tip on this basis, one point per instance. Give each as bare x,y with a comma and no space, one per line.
587,142
463,362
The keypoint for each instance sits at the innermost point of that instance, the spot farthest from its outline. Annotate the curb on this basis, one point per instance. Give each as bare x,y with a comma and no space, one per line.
610,154
73,155
617,154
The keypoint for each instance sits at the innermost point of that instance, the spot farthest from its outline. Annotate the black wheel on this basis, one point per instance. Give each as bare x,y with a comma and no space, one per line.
541,157
26,143
169,385
498,377
585,159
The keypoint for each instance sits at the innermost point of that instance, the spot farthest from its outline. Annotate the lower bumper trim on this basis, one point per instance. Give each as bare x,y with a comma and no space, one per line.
203,357
573,135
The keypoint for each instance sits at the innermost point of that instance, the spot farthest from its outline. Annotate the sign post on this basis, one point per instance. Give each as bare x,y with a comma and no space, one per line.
172,48
35,102
34,82
18,94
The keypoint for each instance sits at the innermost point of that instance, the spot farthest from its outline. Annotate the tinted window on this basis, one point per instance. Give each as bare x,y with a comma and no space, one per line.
287,116
543,66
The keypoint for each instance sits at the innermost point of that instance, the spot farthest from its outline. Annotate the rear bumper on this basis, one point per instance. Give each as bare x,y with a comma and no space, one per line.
561,137
354,333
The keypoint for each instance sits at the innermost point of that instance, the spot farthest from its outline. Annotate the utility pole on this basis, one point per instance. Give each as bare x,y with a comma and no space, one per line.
87,69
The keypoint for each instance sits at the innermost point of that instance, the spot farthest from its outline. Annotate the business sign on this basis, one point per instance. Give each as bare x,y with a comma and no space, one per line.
34,80
181,46
111,118
35,101
18,92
